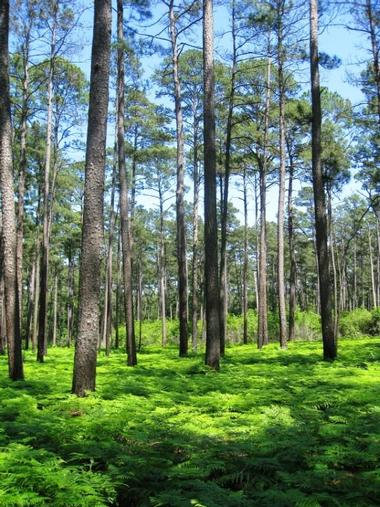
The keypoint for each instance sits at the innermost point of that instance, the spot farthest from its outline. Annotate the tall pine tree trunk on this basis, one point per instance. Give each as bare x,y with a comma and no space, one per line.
180,209
281,192
262,337
212,303
194,260
321,229
44,258
293,266
225,193
92,236
371,270
9,241
245,259
55,309
124,200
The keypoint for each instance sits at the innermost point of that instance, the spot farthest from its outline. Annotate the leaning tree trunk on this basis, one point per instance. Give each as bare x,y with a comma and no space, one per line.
321,229
9,243
124,201
92,239
180,208
210,226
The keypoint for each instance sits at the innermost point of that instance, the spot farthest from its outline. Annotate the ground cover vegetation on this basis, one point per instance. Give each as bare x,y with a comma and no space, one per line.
210,355
272,428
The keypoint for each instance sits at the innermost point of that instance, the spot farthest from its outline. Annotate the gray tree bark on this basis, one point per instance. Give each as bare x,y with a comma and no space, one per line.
281,192
321,229
124,201
180,192
262,337
9,240
212,303
92,236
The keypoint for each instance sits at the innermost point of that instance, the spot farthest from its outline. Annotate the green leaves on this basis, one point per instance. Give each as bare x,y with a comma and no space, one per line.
270,429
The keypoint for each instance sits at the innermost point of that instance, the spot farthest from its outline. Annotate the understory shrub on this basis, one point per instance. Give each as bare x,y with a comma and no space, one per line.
356,323
373,327
307,325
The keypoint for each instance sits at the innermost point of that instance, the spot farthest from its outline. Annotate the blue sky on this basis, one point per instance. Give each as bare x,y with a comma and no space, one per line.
336,40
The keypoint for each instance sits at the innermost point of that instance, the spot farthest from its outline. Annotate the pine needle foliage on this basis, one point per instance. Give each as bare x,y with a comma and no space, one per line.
272,428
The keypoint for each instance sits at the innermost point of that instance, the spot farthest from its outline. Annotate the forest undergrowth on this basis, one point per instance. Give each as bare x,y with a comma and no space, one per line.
272,428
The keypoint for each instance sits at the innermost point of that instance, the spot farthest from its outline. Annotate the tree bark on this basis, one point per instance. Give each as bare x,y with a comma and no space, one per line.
212,302
225,194
371,270
281,192
293,265
262,337
29,317
124,200
44,258
329,339
117,305
162,273
107,319
22,166
245,260
9,241
70,295
55,305
180,209
92,238
194,261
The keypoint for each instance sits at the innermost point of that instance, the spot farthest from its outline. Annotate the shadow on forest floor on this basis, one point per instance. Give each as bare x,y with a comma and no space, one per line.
272,428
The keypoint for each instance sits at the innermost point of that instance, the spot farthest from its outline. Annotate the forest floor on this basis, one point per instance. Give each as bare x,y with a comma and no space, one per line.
272,428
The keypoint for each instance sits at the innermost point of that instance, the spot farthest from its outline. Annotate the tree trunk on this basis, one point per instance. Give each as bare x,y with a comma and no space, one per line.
162,270
9,241
3,331
107,319
44,258
212,303
293,265
92,238
329,339
124,201
70,296
139,306
355,291
32,281
281,192
36,298
262,337
224,200
333,263
117,309
373,33
55,304
372,271
245,261
194,261
180,210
